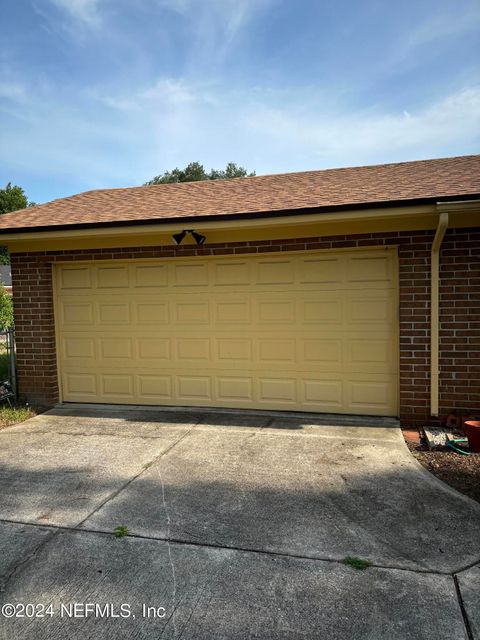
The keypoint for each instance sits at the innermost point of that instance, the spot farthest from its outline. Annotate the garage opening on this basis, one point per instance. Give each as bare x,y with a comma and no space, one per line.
303,331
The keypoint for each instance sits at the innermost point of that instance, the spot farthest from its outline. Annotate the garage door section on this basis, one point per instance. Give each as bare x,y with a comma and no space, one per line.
301,331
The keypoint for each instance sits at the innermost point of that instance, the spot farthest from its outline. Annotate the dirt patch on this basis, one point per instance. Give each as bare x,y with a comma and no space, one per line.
459,471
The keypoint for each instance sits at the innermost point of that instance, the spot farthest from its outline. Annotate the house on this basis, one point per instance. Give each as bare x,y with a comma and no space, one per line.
6,277
353,291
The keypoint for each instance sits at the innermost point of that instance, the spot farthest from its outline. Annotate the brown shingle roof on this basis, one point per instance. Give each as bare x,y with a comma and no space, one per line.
387,184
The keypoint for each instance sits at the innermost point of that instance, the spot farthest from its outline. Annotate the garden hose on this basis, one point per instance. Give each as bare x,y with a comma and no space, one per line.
452,445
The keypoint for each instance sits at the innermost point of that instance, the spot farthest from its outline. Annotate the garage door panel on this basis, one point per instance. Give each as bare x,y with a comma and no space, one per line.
322,311
74,278
79,348
370,354
191,312
327,393
314,331
117,385
153,348
231,312
324,354
112,277
151,313
235,388
150,276
191,387
193,349
190,274
233,350
277,390
322,270
367,269
113,313
155,387
370,395
276,351
75,313
367,311
231,274
115,348
275,271
81,386
274,312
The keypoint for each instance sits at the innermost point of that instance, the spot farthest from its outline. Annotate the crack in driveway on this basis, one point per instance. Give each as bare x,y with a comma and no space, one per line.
143,470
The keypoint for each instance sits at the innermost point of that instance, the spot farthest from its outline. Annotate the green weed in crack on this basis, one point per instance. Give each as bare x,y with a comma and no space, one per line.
121,531
356,563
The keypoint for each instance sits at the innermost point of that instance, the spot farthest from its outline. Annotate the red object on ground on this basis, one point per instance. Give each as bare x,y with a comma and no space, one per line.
472,430
411,435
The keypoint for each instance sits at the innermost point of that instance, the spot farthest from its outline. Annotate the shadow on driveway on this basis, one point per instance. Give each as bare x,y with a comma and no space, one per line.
303,494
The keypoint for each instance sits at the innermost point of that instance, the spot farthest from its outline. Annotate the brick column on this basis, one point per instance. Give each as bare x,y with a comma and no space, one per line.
34,328
460,322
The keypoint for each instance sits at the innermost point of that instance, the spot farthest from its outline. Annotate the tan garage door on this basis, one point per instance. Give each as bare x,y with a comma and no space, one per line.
301,331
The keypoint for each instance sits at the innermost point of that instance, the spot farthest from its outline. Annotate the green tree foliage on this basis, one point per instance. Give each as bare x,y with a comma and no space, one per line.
195,171
12,198
6,309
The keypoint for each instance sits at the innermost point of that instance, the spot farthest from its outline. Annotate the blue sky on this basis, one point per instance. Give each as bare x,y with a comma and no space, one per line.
108,93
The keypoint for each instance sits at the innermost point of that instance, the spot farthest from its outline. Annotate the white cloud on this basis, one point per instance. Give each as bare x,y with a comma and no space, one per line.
234,13
432,33
168,91
268,132
126,138
180,6
86,11
440,27
165,93
12,90
217,25
238,13
357,137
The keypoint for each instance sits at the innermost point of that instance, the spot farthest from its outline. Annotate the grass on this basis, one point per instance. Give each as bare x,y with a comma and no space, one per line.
9,416
121,531
16,414
357,563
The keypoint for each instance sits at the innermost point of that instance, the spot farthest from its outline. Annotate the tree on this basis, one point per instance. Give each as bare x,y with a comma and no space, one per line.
12,198
195,171
6,309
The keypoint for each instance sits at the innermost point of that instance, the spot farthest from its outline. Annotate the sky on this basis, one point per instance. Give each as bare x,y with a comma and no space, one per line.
109,93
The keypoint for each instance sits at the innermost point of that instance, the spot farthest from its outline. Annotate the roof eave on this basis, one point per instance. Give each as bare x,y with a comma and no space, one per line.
252,215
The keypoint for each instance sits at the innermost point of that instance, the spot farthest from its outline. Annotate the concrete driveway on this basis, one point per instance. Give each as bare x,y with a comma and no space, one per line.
237,527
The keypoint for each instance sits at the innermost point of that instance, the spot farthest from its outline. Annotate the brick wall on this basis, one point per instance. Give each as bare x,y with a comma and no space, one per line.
460,322
459,317
34,328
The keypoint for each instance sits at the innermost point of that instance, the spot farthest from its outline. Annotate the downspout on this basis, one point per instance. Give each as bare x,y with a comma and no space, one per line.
434,311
